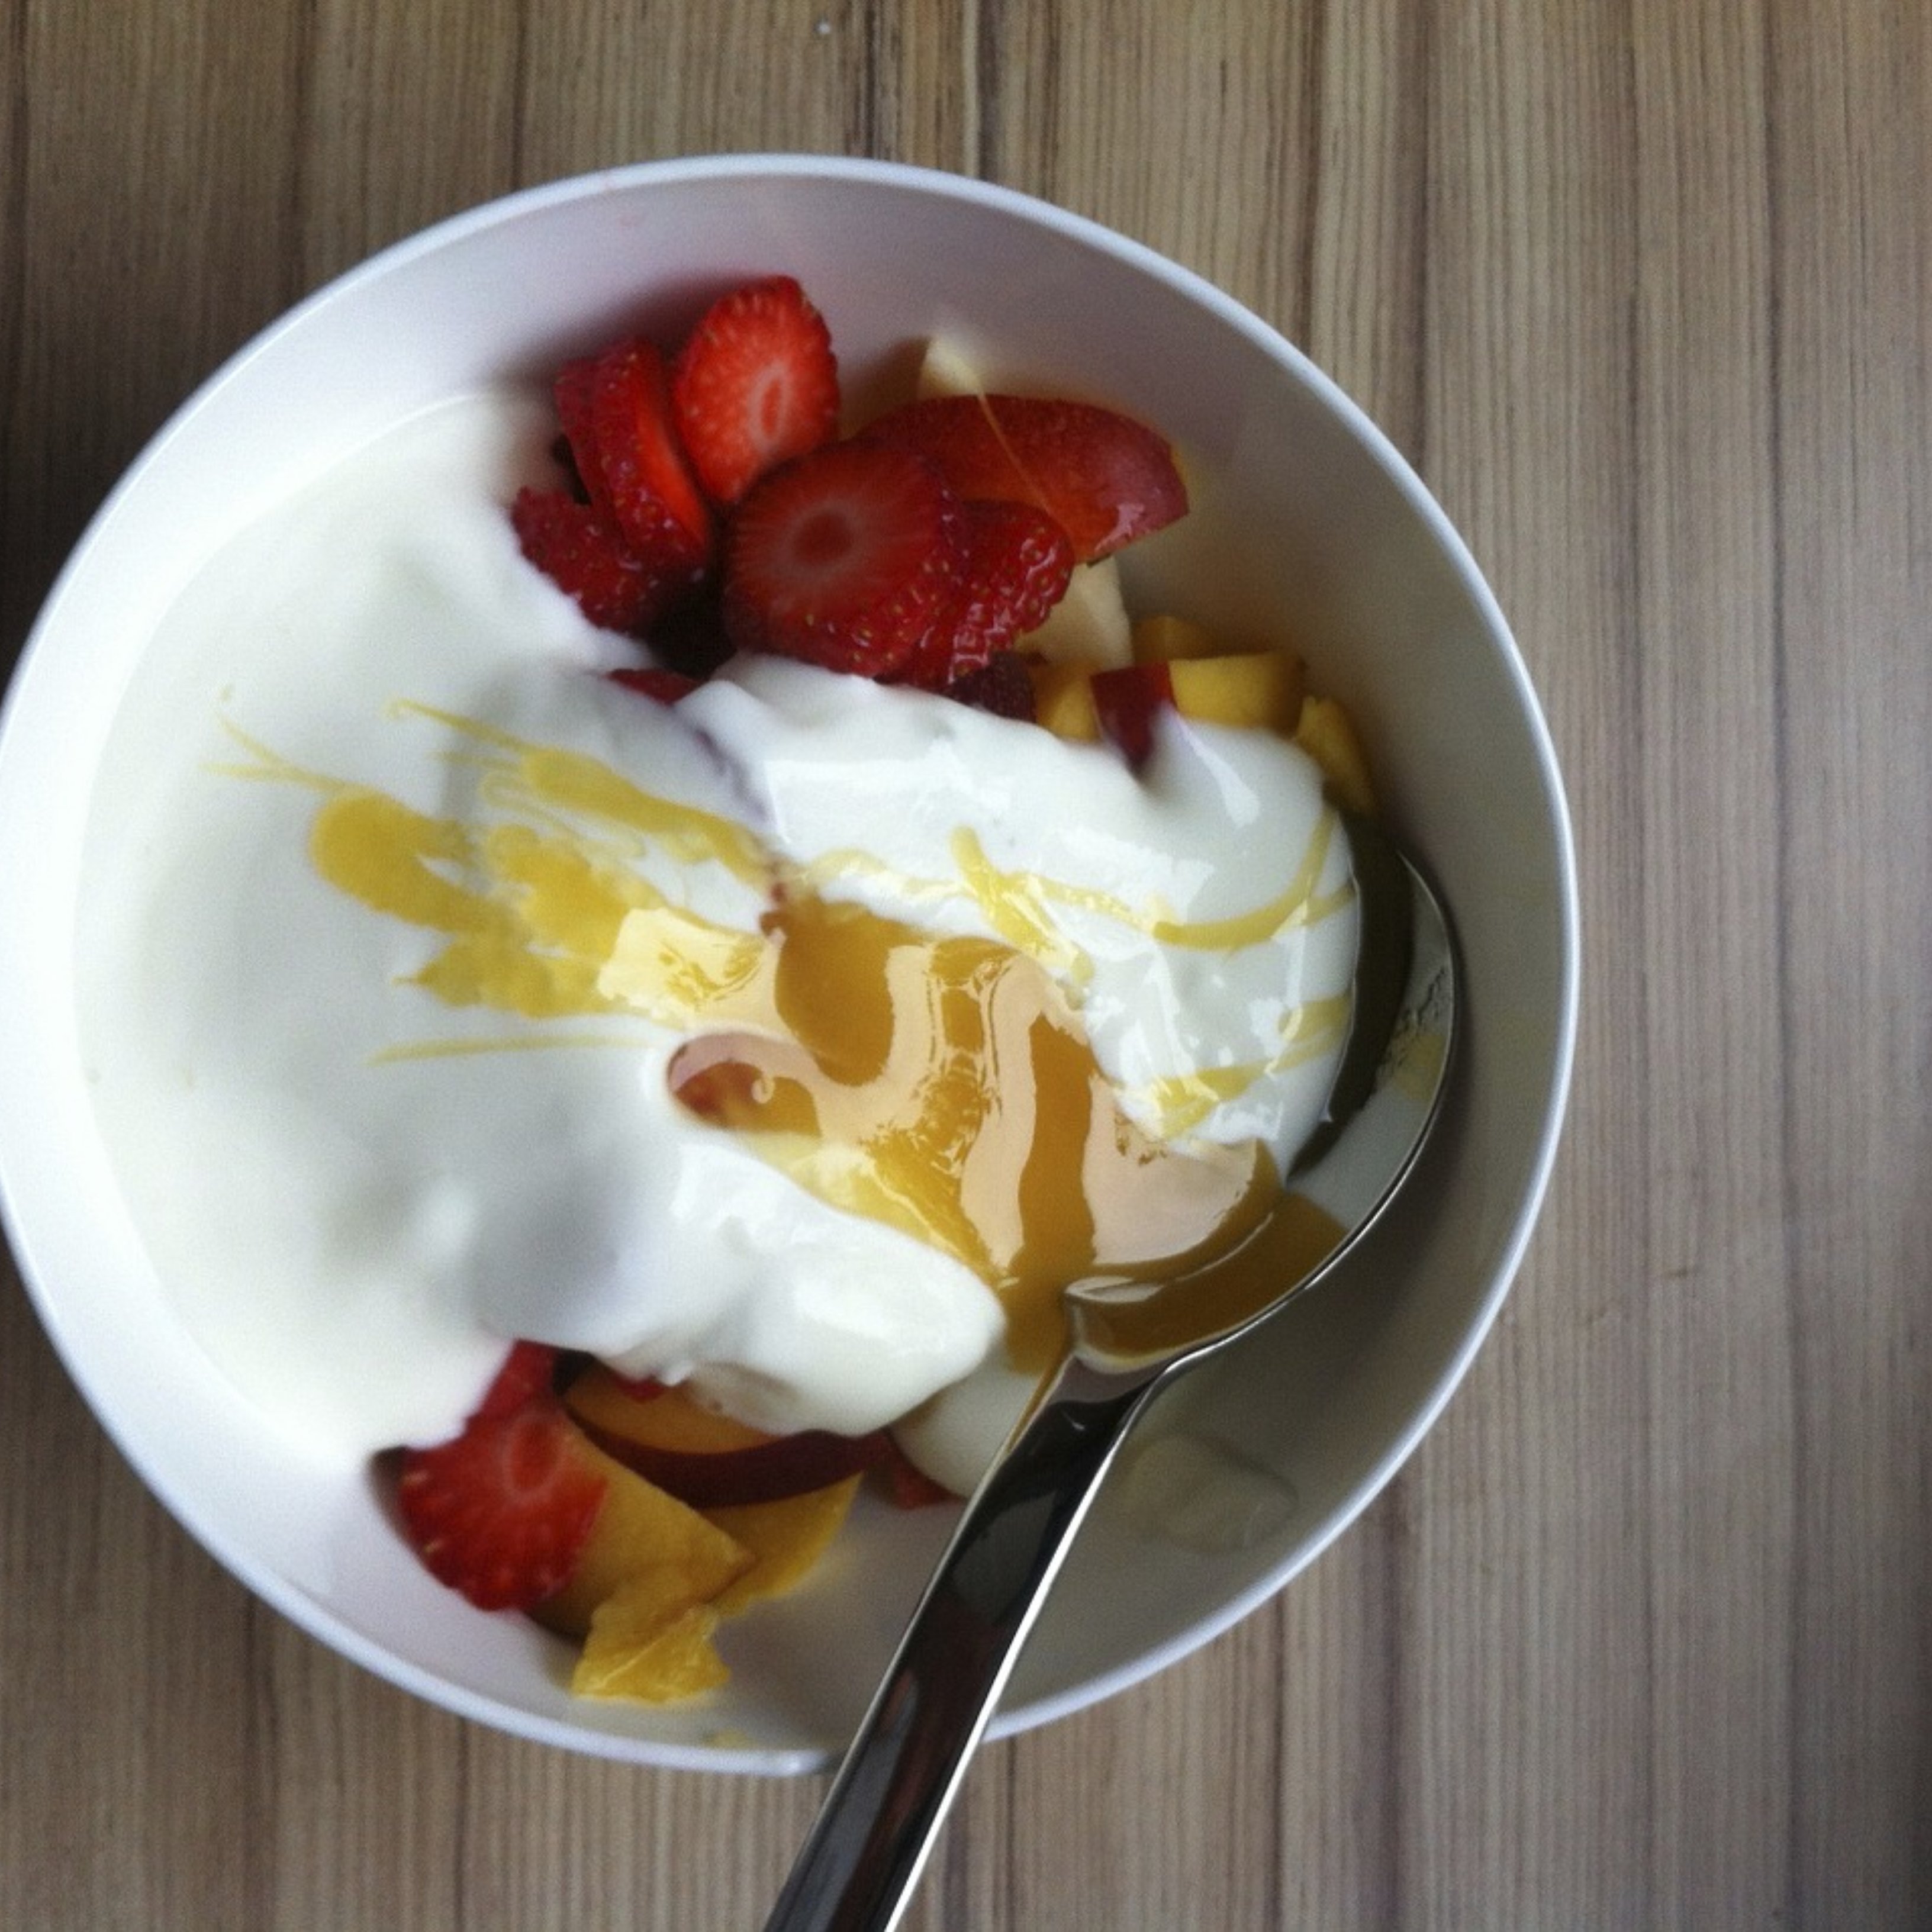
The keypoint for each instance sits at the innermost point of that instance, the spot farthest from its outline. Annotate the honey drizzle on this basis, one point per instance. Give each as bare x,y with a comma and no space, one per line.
941,1085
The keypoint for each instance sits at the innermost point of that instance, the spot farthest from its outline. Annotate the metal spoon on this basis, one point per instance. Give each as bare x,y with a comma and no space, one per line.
879,1822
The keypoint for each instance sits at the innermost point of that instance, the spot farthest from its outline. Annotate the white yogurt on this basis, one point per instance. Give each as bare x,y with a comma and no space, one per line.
356,1191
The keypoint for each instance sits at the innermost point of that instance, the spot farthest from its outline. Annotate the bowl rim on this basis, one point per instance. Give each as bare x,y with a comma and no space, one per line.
327,1625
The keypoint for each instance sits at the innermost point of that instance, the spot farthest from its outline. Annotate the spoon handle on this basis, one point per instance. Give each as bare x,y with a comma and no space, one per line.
893,1790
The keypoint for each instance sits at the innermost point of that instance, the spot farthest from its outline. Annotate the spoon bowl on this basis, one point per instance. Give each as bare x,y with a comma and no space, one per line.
1126,1342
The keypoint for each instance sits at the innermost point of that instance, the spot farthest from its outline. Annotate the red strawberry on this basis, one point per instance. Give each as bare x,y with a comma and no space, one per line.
528,1370
845,557
571,388
1104,477
667,687
1015,562
502,1512
1001,687
576,547
756,384
637,468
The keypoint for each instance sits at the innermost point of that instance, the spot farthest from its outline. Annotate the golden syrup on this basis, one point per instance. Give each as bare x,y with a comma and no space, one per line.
940,1085
943,1087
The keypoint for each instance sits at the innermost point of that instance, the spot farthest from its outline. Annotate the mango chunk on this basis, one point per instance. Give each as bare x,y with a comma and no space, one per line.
1160,640
1063,698
634,1650
1327,734
643,1539
1261,688
786,1539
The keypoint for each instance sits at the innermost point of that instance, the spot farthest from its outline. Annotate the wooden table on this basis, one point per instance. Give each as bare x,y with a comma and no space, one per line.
1639,1637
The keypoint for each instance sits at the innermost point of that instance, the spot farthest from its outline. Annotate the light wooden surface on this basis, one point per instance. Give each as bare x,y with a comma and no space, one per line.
1639,1638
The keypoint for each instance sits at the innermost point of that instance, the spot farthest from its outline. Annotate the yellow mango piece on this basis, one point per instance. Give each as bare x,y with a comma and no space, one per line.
673,1420
635,1651
786,1539
1253,688
1327,734
1160,640
1063,699
644,1538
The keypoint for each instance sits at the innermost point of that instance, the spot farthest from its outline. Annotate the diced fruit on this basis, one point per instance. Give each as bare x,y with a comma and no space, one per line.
585,556
640,464
642,1530
529,1370
786,1539
1002,687
1104,478
1017,563
755,384
1158,639
1326,733
1125,702
1063,696
1262,688
1089,625
1013,568
845,558
787,1465
666,687
634,1651
707,1459
503,1512
572,389
655,1415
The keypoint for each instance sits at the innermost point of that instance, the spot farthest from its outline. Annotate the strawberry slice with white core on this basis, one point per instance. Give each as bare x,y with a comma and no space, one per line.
502,1512
846,557
755,384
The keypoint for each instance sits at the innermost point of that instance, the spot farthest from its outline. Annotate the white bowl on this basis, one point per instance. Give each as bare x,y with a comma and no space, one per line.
1301,505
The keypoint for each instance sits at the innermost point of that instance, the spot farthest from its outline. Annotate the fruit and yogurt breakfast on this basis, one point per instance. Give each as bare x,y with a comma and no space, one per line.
647,1001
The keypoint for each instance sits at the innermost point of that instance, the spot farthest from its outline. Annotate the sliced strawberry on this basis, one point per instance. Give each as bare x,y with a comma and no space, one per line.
666,687
572,389
1003,687
638,468
1104,477
844,557
529,1369
502,1512
756,384
1015,563
580,551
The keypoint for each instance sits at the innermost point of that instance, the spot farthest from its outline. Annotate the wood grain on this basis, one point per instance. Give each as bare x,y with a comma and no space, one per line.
1644,289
